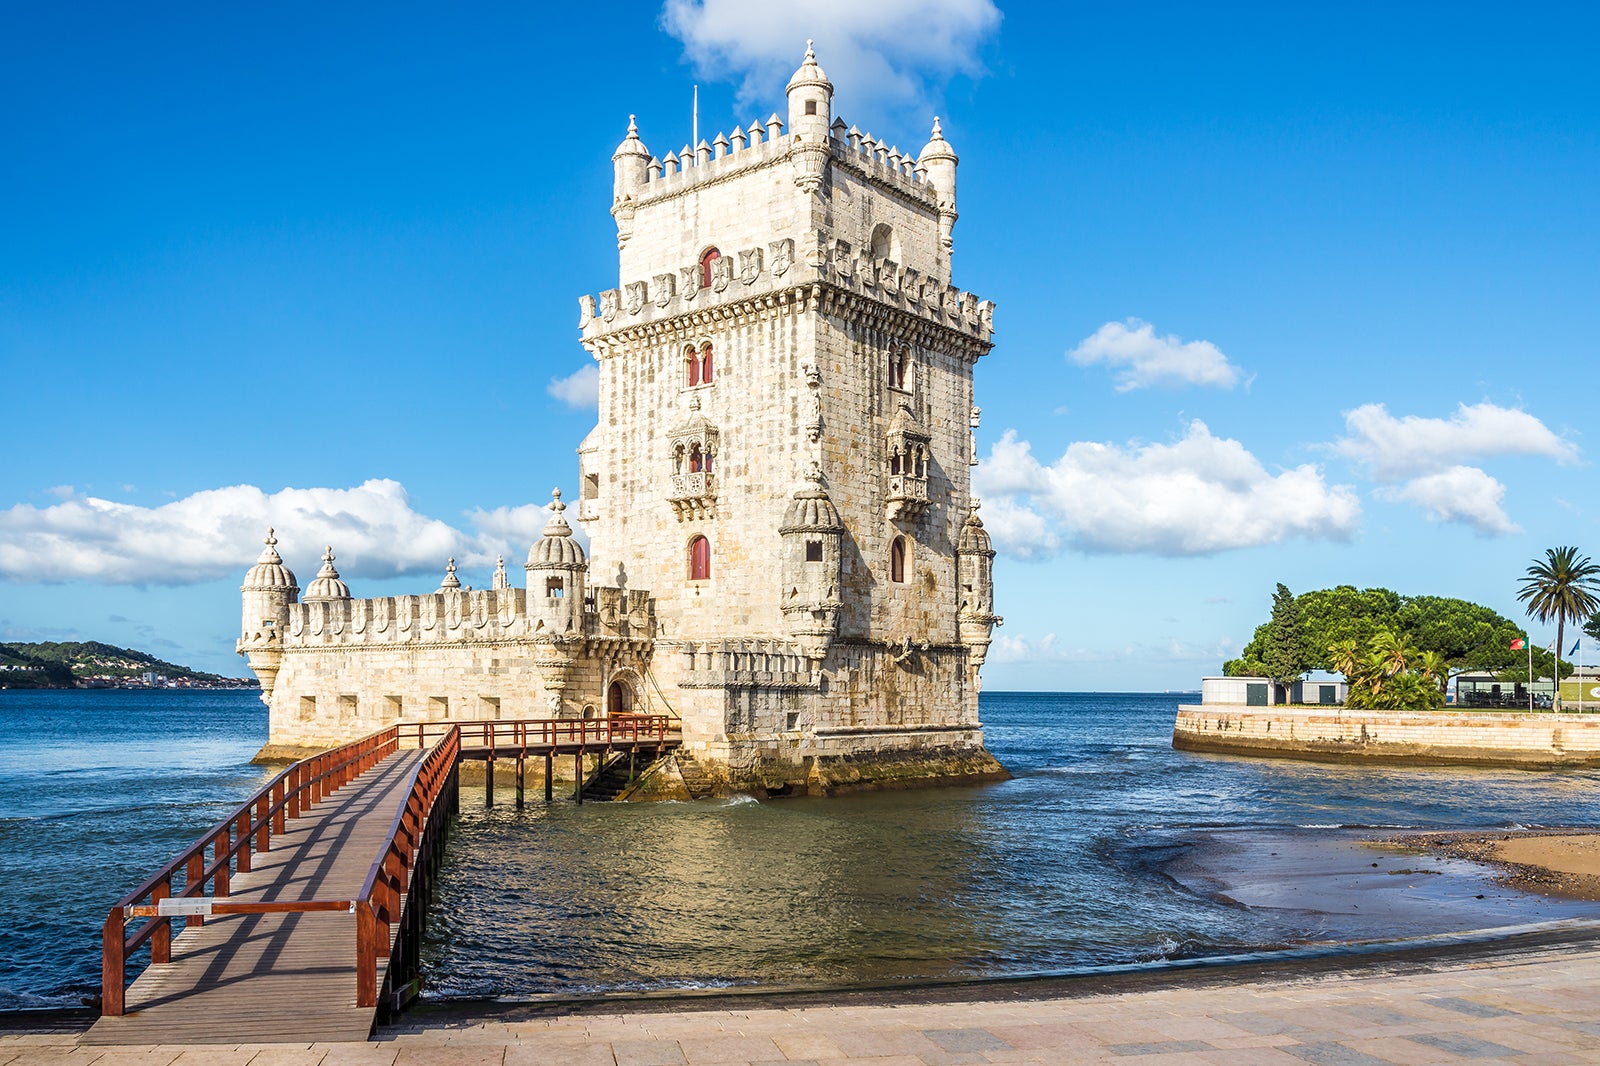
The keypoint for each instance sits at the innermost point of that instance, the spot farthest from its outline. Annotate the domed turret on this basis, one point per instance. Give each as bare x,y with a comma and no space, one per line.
630,166
812,534
326,585
268,591
269,574
810,112
556,567
939,161
975,618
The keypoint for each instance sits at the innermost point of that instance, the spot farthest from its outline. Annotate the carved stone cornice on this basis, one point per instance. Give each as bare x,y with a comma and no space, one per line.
960,336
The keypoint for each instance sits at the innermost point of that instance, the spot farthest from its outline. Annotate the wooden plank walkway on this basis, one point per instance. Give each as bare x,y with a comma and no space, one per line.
264,978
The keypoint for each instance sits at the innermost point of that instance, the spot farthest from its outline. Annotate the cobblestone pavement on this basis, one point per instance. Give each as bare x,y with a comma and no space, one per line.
1541,1006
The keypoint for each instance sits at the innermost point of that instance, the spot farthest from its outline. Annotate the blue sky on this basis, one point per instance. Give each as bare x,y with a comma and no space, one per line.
1284,293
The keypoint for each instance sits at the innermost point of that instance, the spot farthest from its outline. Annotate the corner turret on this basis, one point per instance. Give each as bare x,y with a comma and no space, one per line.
810,112
938,160
557,570
812,533
630,165
269,590
975,619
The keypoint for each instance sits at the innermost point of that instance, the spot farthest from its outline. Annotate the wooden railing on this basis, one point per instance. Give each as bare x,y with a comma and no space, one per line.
398,888
512,736
179,888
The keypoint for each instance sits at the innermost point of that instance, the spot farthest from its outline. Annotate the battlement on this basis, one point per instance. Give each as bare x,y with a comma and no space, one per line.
454,617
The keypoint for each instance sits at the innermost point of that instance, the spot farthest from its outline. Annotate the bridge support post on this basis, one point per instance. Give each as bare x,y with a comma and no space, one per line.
577,761
488,780
549,776
522,769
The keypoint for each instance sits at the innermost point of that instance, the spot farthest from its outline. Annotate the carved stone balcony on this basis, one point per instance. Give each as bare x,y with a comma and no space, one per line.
907,496
693,495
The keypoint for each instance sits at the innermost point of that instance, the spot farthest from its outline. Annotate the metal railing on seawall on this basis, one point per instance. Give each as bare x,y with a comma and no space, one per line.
388,895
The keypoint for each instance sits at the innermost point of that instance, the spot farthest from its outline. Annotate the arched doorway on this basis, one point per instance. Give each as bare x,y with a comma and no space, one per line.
619,700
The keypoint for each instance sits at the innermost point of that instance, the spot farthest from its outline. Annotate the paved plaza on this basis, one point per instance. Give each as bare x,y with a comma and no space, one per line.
1538,1004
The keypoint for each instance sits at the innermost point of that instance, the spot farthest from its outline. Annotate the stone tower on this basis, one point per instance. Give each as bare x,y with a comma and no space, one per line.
784,315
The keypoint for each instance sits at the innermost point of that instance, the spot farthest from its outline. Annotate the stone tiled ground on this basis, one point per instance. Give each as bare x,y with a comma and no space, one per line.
1536,1008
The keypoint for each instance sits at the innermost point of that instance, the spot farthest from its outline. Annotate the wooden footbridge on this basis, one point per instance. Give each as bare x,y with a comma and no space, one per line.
300,915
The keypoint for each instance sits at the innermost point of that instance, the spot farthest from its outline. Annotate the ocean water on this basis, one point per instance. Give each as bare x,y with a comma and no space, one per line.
1107,847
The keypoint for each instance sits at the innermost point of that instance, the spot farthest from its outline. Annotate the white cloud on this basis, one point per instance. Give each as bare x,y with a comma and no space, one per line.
1462,494
1143,359
1394,449
215,533
1200,495
892,52
580,389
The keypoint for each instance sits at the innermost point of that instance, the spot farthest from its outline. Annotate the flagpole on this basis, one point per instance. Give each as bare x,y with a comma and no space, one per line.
1530,673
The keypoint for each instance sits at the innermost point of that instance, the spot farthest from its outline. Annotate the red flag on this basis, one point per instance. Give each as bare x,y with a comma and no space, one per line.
1518,644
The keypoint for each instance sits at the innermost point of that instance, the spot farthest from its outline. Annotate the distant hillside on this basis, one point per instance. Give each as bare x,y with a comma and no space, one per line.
91,664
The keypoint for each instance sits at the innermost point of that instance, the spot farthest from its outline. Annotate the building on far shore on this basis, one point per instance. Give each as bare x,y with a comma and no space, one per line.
1326,691
784,550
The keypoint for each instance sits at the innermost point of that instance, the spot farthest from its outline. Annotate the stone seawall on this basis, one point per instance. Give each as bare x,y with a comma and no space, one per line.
1441,737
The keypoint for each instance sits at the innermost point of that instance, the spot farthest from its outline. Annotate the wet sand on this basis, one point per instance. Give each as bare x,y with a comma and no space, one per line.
1561,863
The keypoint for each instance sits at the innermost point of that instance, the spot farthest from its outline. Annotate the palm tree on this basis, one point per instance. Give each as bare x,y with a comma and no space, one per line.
1562,587
1432,666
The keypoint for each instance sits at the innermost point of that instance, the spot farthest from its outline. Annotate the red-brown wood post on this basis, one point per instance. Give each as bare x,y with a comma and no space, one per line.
219,858
241,833
113,961
263,825
194,885
161,939
367,956
293,792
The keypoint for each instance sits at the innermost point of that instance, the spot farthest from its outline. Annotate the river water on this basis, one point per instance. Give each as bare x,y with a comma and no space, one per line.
1108,847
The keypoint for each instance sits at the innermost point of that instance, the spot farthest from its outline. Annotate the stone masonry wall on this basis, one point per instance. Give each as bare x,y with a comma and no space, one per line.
1470,737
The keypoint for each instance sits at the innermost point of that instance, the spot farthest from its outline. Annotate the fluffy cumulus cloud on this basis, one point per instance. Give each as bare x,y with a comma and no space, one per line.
1199,495
894,52
373,527
580,389
1141,359
1461,494
1397,448
1421,459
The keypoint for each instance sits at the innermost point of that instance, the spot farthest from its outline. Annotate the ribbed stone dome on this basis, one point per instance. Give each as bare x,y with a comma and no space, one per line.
937,147
326,585
557,549
974,538
809,73
811,510
269,573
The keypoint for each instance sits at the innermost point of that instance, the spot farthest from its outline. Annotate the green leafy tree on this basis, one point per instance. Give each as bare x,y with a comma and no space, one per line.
1284,655
1467,635
1562,587
1389,674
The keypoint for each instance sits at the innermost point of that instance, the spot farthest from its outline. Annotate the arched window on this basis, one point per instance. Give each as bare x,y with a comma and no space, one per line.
897,560
555,588
711,256
894,461
699,559
899,368
691,368
705,363
883,241
617,701
696,460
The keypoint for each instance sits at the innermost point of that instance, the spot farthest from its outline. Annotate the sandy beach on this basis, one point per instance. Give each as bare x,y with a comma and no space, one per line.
1564,863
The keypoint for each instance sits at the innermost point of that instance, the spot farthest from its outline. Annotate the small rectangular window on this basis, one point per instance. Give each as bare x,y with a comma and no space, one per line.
489,708
438,708
392,706
811,107
347,708
813,551
308,708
